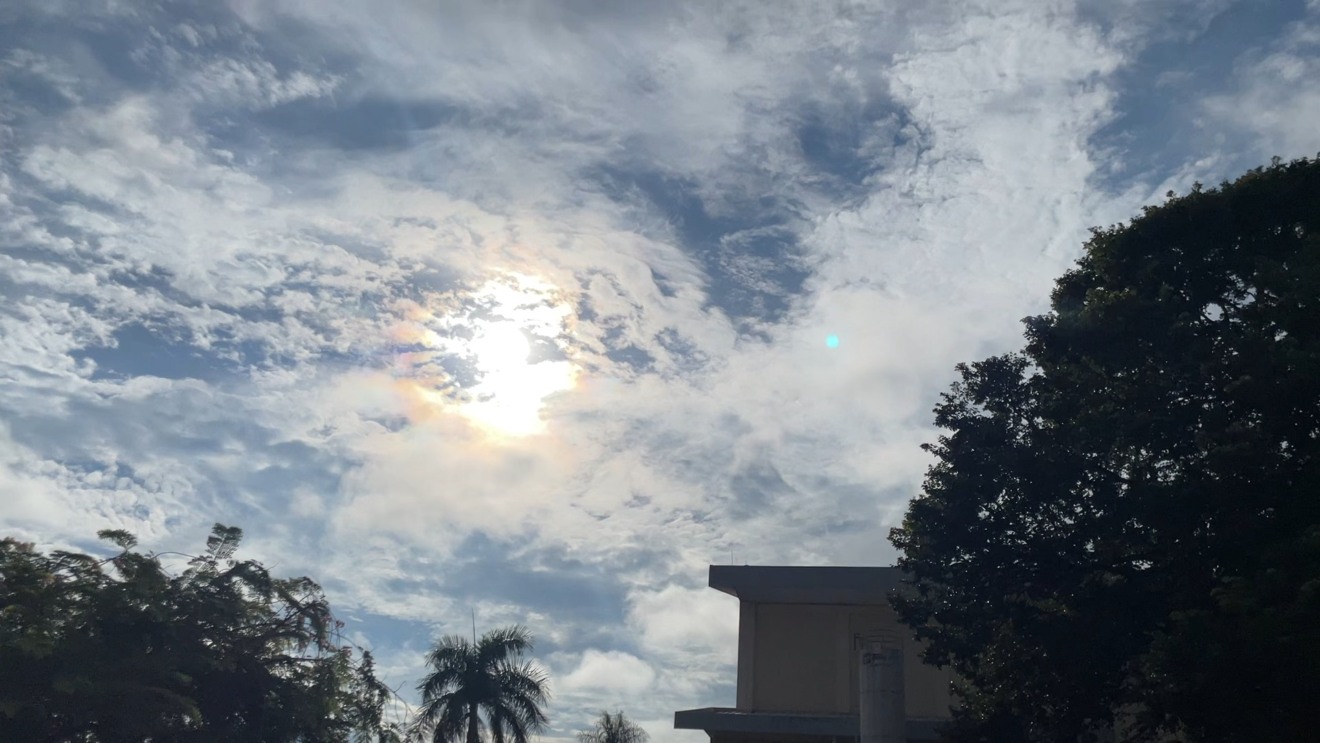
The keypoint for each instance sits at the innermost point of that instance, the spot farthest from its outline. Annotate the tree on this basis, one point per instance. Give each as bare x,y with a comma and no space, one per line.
482,687
1123,516
613,728
99,650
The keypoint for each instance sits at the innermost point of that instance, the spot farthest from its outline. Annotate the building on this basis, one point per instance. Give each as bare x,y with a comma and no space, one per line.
805,637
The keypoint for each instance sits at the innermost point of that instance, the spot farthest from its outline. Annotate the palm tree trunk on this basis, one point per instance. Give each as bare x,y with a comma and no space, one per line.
473,733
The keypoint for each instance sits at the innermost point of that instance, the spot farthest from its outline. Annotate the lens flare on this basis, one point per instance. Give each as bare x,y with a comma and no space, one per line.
832,341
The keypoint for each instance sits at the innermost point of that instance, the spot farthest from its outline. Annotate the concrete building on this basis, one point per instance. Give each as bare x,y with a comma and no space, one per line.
809,641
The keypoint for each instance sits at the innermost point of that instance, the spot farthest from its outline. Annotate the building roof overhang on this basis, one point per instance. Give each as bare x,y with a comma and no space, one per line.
715,720
772,584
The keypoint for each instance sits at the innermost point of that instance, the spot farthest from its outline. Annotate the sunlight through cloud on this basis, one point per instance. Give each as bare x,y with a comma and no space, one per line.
492,355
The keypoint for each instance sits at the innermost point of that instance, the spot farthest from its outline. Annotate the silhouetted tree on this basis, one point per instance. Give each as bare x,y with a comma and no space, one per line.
613,728
475,689
109,650
1125,515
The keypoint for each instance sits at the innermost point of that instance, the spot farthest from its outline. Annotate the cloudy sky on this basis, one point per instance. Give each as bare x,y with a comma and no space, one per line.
537,309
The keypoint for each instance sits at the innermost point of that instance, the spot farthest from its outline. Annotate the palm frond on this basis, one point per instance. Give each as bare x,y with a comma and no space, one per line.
443,722
527,681
452,659
441,681
507,726
432,710
503,645
449,651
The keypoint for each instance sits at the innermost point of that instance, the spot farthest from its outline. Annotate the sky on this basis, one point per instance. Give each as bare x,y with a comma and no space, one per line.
530,311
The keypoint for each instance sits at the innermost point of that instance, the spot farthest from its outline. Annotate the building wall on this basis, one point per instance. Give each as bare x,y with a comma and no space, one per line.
803,658
798,659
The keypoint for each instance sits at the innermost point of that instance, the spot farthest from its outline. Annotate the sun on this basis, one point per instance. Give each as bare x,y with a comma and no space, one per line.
511,394
501,348
493,355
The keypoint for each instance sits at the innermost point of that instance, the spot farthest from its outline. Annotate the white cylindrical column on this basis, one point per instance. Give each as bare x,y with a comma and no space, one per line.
881,707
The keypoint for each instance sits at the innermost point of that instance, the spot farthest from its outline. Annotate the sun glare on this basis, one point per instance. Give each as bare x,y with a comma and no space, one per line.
506,335
501,347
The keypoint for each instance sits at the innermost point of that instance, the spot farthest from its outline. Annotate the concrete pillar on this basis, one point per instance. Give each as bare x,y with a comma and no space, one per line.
746,656
883,718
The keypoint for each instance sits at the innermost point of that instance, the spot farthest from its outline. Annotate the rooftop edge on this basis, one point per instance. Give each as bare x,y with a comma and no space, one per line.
774,584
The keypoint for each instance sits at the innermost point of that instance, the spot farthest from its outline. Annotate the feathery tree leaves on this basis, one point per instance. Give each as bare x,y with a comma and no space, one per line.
482,690
613,728
101,650
1124,515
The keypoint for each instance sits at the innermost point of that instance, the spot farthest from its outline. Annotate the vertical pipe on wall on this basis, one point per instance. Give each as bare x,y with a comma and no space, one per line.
883,718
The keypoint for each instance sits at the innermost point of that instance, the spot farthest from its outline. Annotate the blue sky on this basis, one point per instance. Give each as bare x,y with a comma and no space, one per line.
523,308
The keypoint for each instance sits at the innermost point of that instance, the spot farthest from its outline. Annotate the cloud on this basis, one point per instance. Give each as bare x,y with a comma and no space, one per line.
606,673
244,249
1275,94
686,621
30,499
442,480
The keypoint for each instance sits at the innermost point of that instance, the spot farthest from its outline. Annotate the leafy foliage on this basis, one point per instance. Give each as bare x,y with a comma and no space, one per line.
613,728
482,687
96,650
1124,515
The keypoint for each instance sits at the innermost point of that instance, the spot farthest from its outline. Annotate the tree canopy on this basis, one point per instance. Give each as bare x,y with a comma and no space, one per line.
613,728
119,649
1124,516
481,688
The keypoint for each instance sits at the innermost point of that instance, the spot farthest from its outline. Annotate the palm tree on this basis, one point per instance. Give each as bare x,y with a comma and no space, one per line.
482,686
613,728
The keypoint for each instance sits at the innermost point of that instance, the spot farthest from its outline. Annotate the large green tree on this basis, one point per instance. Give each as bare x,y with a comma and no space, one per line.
1125,515
481,688
119,649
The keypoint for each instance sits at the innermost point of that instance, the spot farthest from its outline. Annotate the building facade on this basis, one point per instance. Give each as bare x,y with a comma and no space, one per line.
808,641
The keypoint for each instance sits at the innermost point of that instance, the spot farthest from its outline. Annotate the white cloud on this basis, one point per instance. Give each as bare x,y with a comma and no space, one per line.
440,480
256,84
610,673
31,501
689,622
1275,96
281,262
